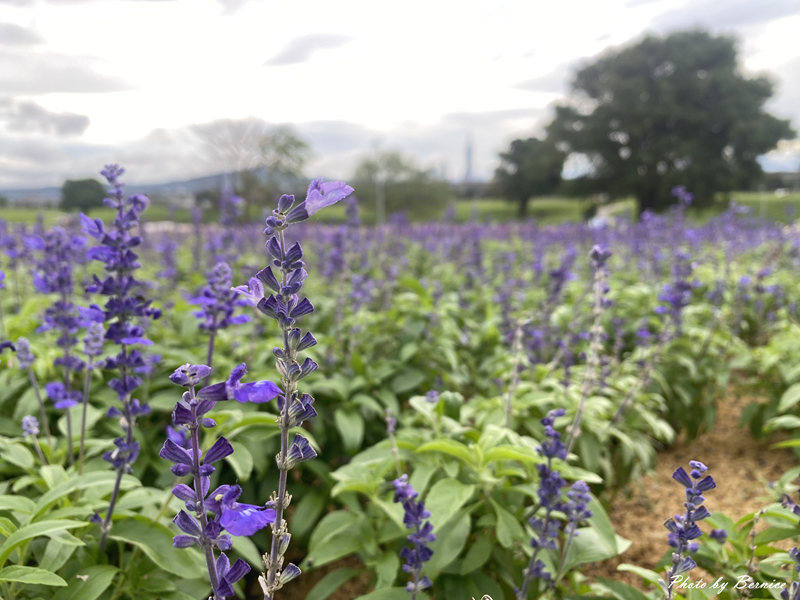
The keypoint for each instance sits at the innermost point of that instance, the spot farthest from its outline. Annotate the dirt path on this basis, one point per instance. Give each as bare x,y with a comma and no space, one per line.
741,466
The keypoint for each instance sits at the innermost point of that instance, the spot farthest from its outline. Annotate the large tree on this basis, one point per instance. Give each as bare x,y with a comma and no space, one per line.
393,183
82,194
530,167
669,111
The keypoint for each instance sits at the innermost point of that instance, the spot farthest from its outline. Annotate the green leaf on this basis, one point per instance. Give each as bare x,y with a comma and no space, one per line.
330,583
406,381
621,591
18,455
245,546
155,540
16,503
333,538
450,540
385,567
35,530
505,452
451,448
307,511
646,574
782,422
395,593
31,575
241,460
477,555
589,546
445,499
790,398
89,583
103,480
56,554
508,528
350,425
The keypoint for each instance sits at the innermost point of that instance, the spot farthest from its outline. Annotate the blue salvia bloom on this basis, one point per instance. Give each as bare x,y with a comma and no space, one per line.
218,303
30,425
415,518
285,306
53,274
169,264
599,257
26,359
217,515
683,529
24,353
550,493
125,313
677,294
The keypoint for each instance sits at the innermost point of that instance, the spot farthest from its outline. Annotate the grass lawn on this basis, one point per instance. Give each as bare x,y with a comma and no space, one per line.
549,210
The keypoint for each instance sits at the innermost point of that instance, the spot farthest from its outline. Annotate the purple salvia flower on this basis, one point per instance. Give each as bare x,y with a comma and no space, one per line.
58,252
415,518
228,517
550,493
218,303
26,360
126,313
285,306
30,425
683,529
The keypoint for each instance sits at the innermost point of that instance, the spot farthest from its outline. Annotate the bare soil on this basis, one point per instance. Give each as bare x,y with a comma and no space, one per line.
741,466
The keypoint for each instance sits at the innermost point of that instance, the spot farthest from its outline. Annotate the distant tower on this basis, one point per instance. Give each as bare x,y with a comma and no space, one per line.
468,161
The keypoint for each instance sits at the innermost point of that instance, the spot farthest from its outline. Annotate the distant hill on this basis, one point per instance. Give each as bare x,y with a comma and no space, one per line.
164,190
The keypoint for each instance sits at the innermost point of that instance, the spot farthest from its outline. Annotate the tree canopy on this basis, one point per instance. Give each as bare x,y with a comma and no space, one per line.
667,111
82,194
530,167
393,183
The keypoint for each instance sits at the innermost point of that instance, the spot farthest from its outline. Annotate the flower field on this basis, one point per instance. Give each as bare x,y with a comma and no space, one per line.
285,409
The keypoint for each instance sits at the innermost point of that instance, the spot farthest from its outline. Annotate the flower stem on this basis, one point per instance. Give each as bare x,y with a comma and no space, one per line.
208,549
87,380
42,411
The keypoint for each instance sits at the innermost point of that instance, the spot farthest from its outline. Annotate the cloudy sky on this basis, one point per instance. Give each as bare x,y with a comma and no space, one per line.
85,82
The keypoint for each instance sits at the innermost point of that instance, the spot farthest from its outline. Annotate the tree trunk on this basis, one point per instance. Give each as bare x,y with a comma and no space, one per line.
522,211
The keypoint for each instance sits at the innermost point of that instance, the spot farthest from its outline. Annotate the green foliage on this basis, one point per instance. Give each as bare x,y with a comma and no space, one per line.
82,195
530,167
389,182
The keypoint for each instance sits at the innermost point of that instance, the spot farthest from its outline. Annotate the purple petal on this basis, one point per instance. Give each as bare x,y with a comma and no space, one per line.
256,392
246,519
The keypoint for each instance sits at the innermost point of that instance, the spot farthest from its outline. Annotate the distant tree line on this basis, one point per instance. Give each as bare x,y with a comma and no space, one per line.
666,111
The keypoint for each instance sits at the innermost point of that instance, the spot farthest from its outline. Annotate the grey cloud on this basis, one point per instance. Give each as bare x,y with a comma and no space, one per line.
29,117
725,14
553,82
302,48
26,73
12,34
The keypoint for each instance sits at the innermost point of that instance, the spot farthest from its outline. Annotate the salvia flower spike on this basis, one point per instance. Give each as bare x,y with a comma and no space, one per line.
125,313
415,518
26,359
277,297
683,529
217,515
218,302
548,527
